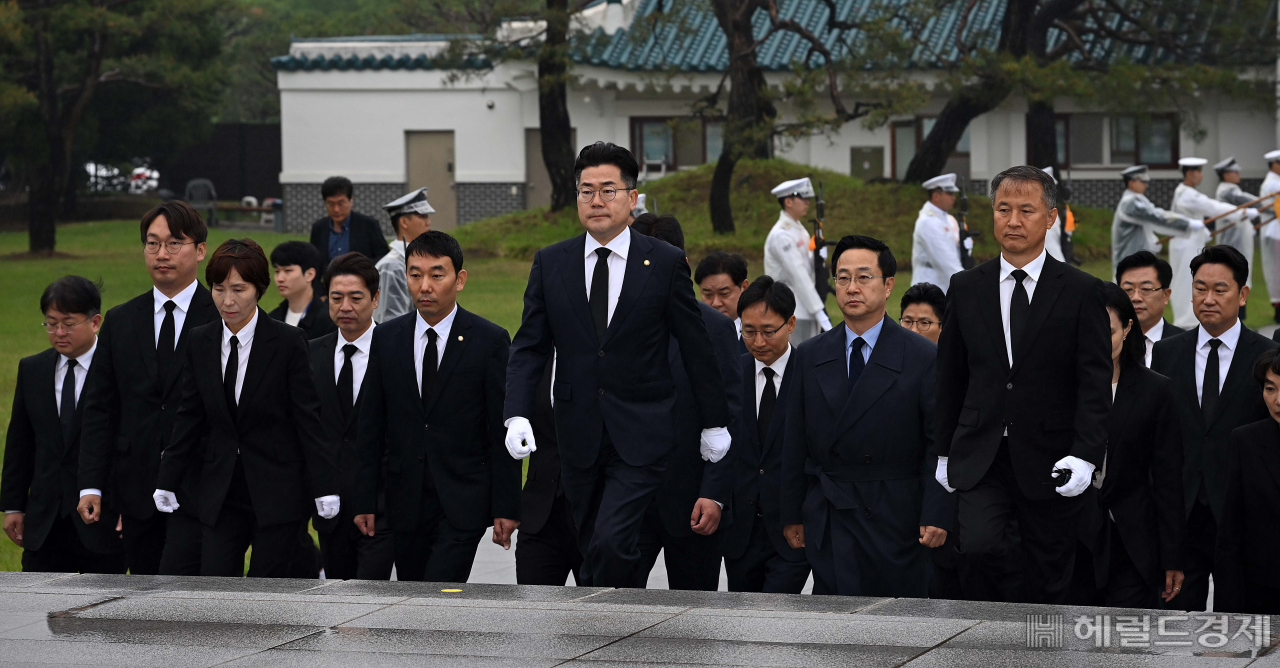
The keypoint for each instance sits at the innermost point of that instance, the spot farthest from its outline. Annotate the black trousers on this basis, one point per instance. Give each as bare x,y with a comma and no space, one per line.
144,542
435,550
223,545
609,500
1125,586
182,537
550,555
1197,559
64,552
351,555
693,561
762,569
1046,528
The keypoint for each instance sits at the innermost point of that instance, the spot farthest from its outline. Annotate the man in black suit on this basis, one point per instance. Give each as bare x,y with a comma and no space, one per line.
1210,367
433,403
250,412
343,230
296,266
1024,375
687,540
134,394
340,361
756,554
858,492
721,277
608,302
42,450
1146,278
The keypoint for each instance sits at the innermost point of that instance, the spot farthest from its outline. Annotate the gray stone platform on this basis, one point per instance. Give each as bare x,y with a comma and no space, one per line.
174,621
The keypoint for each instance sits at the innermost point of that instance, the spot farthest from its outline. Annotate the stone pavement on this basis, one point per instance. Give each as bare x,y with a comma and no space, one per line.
177,621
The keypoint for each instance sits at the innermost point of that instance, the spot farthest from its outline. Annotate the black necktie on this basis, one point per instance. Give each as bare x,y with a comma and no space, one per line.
768,401
1209,391
68,414
229,376
164,345
346,382
430,358
1018,306
599,298
856,363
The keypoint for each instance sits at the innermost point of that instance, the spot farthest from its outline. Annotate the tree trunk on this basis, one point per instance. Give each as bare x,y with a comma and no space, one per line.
553,107
965,105
721,184
42,206
1042,137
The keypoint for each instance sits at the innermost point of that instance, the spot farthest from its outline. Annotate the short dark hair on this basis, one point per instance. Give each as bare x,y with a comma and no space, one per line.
299,253
928,294
184,221
1134,350
243,255
1224,255
337,185
607,153
884,257
775,295
663,228
720,262
434,243
72,294
1145,258
1187,169
1028,174
1269,360
354,264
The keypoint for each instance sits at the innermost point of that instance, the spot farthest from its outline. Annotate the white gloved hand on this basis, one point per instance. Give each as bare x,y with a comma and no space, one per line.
1250,214
823,321
166,501
823,252
714,444
327,506
1081,475
520,438
1197,226
968,242
941,475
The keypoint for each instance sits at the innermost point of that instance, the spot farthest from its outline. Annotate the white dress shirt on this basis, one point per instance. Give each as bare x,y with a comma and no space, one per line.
359,360
779,367
737,327
620,246
869,339
1007,284
1226,351
1152,337
183,302
420,341
245,338
82,371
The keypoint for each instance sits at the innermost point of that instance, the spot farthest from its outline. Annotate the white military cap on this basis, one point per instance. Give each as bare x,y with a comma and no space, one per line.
639,206
945,183
1138,172
1049,170
1228,165
1192,162
796,188
414,202
1272,156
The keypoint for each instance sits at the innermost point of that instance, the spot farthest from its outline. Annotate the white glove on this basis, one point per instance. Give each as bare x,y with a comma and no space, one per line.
968,242
941,475
1250,214
714,444
327,506
1197,226
166,501
823,321
520,438
1081,475
823,252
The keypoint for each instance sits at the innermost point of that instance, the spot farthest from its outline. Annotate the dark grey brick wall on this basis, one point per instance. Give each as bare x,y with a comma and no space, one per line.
303,205
482,200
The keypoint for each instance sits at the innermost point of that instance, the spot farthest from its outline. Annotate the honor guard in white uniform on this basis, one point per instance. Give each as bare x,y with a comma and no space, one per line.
1053,240
788,258
410,216
1198,206
935,244
1240,235
1138,221
1269,235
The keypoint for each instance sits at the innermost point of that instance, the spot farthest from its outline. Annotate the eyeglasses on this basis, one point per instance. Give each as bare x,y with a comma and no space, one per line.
585,195
862,279
52,327
1144,290
922,324
172,247
749,334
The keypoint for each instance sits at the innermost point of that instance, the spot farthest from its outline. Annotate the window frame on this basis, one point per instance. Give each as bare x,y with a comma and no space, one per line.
637,139
1175,147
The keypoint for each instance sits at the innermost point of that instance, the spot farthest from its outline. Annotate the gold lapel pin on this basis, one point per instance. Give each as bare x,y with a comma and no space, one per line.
646,263
459,337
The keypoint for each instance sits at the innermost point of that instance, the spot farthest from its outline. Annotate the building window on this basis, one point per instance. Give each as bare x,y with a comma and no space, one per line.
906,138
675,142
1094,140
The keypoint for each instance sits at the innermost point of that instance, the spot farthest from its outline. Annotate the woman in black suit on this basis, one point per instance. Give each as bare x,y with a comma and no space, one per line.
250,410
1134,523
1244,563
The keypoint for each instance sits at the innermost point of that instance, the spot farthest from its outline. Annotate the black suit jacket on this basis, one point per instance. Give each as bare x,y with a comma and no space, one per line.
129,407
542,480
757,477
1142,488
40,465
315,322
288,456
1055,399
1247,540
688,477
365,238
1240,403
459,437
1170,330
623,383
